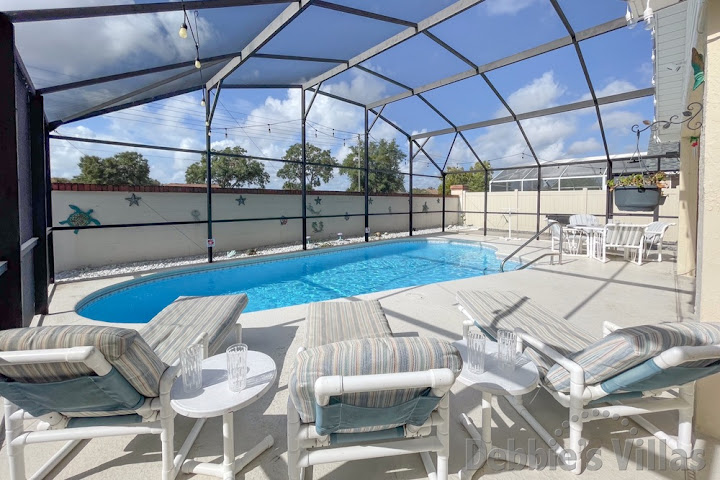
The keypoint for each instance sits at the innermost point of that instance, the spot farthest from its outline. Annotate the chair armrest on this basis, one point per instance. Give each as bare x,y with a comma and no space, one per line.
609,327
440,380
577,373
679,355
90,356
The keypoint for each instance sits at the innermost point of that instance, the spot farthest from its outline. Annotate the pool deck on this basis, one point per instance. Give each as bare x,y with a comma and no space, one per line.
582,290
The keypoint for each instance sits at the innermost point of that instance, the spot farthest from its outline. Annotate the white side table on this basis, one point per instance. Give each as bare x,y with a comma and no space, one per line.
492,382
215,398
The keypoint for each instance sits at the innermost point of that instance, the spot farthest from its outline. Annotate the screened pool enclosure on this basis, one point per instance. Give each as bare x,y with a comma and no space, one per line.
501,92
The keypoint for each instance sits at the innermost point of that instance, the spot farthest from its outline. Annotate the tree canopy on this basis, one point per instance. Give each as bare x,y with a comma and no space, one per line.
316,174
229,172
383,155
125,168
474,180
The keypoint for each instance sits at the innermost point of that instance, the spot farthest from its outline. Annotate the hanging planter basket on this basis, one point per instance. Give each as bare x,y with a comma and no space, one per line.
637,199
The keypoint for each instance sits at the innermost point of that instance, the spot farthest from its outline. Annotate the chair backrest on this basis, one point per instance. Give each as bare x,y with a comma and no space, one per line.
657,228
624,235
584,219
369,356
123,348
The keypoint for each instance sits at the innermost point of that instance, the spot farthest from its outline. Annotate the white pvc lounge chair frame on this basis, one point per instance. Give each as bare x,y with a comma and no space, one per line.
654,235
581,395
307,448
157,414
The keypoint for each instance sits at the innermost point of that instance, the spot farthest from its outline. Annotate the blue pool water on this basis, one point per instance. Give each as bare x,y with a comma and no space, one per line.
298,279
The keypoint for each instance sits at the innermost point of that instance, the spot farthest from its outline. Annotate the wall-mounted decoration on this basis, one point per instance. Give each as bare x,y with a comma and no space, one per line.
426,209
347,216
195,214
370,200
698,64
283,220
79,218
241,200
389,209
317,227
312,210
438,200
134,200
318,200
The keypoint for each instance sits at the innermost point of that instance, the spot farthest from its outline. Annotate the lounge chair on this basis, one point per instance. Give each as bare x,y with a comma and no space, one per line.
86,381
357,392
626,373
654,234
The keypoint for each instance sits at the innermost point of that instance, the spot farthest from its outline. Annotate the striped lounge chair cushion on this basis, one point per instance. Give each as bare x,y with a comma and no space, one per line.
329,322
628,347
181,322
366,357
124,348
493,311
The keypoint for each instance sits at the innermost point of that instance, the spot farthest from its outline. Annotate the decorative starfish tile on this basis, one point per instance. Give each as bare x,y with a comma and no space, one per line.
134,200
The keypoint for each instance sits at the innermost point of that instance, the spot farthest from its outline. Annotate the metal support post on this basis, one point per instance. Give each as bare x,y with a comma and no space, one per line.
208,180
367,179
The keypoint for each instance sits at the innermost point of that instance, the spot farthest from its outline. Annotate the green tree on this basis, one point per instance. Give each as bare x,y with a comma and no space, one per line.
125,168
229,172
316,174
385,156
473,180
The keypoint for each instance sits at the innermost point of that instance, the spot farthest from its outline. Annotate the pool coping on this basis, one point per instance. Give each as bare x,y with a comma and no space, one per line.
118,287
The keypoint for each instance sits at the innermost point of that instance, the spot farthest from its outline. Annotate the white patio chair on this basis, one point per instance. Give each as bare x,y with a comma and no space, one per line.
86,381
654,234
572,241
626,237
584,219
626,373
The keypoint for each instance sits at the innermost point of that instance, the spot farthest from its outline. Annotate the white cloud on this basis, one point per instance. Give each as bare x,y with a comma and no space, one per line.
584,146
507,7
621,120
542,92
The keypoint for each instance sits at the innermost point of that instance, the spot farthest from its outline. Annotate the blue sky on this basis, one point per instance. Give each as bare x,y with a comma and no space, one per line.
266,122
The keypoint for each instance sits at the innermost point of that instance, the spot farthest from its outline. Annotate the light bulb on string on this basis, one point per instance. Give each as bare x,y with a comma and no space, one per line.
649,17
183,30
197,63
629,18
269,128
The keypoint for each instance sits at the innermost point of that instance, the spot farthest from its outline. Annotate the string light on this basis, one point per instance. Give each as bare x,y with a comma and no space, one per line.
202,102
630,18
269,131
183,29
649,17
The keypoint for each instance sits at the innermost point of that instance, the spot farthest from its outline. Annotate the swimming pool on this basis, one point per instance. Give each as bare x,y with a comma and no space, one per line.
298,278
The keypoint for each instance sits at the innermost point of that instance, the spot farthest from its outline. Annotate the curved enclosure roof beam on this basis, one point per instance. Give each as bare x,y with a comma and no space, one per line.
46,14
492,87
439,17
576,44
620,97
509,60
290,13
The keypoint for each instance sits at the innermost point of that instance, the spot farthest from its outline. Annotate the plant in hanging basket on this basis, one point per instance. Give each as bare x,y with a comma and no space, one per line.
639,193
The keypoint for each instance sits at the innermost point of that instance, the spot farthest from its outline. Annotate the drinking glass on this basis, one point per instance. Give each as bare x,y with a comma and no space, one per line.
507,350
237,366
191,367
476,352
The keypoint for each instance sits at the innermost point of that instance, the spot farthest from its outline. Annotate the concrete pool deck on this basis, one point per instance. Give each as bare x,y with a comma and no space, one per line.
584,291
